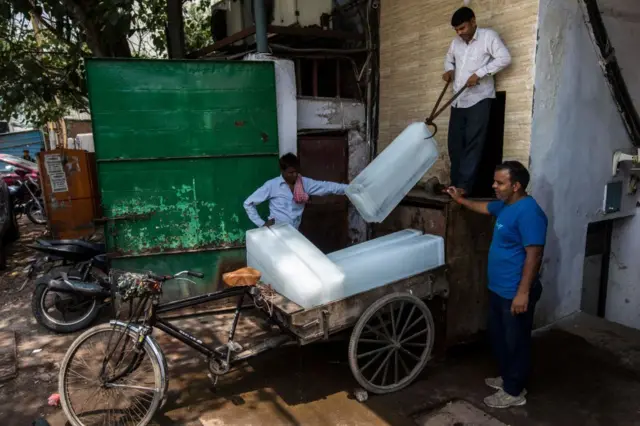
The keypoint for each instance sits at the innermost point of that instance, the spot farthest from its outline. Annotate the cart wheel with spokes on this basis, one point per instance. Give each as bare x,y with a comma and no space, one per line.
391,343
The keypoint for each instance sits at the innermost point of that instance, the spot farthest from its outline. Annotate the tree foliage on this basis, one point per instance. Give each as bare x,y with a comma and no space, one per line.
43,44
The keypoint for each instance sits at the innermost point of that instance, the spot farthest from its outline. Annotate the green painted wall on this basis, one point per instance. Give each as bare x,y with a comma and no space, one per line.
179,146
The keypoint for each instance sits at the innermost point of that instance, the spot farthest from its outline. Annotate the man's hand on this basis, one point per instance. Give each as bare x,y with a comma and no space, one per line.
270,222
457,194
448,76
473,80
520,303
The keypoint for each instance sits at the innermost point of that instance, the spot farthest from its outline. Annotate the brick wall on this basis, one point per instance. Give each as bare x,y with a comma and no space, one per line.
415,36
75,128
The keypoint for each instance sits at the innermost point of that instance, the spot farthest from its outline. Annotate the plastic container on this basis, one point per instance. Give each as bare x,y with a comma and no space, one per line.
380,187
387,263
292,265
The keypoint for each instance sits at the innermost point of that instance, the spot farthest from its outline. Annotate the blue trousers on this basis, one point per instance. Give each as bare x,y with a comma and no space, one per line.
511,339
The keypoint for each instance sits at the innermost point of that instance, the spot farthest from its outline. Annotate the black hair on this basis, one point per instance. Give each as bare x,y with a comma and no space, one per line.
289,160
517,172
462,15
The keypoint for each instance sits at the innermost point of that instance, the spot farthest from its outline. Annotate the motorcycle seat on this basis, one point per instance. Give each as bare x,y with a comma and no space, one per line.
89,246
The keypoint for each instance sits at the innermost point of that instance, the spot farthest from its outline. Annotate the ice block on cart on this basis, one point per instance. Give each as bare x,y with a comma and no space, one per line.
292,265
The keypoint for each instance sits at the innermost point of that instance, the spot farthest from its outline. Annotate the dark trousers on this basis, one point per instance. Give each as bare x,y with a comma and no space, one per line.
467,134
511,339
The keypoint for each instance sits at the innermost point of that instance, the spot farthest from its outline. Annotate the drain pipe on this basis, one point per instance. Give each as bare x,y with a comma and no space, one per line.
260,18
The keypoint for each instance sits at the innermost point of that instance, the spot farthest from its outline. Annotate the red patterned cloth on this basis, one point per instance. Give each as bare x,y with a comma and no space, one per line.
299,194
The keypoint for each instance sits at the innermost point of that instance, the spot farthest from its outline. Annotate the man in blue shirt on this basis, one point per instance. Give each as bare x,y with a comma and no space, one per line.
514,288
287,194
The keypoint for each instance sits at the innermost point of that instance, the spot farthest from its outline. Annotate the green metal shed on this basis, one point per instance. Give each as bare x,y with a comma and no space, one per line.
179,146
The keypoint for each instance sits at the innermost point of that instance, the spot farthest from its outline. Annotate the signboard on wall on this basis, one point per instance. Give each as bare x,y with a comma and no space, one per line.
55,170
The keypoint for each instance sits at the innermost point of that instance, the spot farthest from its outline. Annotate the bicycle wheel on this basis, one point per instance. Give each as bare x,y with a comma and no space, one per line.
126,392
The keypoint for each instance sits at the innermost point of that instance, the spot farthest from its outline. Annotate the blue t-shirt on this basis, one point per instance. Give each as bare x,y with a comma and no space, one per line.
518,225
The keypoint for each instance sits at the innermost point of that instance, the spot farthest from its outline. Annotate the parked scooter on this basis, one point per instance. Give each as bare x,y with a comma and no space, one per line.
27,198
71,294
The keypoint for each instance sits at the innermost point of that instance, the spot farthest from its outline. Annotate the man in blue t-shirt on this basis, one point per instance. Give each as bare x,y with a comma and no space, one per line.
514,288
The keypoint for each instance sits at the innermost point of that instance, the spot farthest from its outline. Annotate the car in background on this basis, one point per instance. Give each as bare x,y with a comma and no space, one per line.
9,164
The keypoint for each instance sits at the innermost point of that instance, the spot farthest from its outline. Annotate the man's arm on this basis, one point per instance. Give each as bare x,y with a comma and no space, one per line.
530,272
261,195
320,188
481,207
532,226
501,58
449,64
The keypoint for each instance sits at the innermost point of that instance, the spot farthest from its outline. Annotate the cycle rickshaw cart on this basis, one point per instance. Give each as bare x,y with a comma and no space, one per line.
116,373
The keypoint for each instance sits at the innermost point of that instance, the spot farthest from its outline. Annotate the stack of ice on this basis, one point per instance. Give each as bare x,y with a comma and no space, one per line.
387,259
296,269
380,187
292,265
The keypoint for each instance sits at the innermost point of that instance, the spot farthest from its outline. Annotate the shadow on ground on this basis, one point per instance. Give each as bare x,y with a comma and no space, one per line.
574,382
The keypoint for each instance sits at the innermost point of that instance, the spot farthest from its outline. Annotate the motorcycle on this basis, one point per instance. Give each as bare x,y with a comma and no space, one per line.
75,287
27,198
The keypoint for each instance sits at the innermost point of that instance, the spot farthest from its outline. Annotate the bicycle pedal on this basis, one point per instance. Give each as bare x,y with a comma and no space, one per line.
234,347
214,379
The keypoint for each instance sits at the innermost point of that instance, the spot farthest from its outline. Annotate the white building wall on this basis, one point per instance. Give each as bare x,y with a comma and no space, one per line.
576,129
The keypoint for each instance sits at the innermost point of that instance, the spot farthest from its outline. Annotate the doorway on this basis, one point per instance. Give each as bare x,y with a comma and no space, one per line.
595,271
325,220
492,153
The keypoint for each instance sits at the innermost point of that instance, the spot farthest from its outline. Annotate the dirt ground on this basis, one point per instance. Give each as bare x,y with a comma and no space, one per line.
24,398
586,372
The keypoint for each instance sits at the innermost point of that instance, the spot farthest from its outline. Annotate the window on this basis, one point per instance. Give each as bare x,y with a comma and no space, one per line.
6,167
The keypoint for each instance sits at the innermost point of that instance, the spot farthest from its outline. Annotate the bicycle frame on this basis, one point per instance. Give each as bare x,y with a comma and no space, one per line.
187,338
224,354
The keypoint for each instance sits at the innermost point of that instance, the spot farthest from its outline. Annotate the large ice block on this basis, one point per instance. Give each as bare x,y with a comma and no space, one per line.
380,187
296,269
376,243
387,263
292,265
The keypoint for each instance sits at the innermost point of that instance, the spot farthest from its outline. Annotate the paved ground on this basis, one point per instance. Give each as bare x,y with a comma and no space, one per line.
586,373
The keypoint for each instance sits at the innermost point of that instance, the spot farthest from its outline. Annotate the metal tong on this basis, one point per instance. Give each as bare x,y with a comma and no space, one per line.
436,112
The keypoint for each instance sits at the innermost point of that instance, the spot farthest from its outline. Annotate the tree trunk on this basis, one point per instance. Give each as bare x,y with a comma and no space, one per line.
175,29
102,38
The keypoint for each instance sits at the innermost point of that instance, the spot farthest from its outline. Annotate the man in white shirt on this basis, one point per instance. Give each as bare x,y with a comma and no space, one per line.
287,194
474,56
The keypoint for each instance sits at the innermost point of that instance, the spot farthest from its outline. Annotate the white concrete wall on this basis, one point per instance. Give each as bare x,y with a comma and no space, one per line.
330,113
622,19
623,292
576,128
286,101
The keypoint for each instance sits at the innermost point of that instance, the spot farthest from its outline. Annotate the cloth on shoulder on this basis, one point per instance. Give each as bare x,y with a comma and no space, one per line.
300,196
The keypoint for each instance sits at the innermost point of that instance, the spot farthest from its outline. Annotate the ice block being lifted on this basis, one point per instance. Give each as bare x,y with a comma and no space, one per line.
380,187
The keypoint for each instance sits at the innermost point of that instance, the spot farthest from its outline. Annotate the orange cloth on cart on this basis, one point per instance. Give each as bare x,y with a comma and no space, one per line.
242,277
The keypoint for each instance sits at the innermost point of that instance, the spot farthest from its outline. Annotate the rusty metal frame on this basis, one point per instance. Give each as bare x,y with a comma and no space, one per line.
118,255
275,29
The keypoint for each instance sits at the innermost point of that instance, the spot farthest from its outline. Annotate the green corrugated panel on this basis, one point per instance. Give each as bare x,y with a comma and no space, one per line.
179,146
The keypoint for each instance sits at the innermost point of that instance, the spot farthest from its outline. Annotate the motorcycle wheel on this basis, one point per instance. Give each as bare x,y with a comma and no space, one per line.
13,233
35,214
62,312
